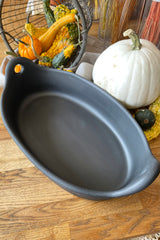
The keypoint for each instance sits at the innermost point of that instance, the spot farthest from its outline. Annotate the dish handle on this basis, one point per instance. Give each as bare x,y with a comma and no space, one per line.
145,177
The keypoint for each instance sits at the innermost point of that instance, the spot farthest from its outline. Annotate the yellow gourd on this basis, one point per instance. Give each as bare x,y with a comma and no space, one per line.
36,32
47,38
32,30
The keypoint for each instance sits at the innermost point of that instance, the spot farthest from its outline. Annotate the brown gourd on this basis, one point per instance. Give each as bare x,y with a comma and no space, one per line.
47,38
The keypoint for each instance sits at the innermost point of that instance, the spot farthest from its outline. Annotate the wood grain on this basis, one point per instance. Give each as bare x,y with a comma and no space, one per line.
32,207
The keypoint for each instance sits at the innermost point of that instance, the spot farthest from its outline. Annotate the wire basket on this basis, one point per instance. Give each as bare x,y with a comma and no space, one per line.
13,15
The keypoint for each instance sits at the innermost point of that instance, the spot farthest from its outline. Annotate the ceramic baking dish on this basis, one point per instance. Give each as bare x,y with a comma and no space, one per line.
76,133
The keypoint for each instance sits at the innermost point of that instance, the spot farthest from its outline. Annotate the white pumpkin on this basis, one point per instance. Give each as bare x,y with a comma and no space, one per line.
130,71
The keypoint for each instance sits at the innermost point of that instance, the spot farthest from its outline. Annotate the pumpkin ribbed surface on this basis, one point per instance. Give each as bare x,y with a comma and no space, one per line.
26,51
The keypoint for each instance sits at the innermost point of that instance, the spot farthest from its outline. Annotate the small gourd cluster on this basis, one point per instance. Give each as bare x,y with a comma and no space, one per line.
55,45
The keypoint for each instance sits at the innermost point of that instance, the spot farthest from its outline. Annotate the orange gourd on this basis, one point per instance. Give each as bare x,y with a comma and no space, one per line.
25,47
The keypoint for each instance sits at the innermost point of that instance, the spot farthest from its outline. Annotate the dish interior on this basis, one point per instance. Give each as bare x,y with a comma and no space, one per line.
73,142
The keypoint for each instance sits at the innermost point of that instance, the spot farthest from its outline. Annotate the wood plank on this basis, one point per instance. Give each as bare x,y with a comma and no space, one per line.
25,187
155,147
116,226
74,211
54,232
11,157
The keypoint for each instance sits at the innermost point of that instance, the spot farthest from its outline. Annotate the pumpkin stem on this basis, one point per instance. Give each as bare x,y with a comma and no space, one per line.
32,45
134,37
27,21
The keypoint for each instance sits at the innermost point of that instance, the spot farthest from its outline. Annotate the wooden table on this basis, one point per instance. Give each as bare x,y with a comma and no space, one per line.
32,207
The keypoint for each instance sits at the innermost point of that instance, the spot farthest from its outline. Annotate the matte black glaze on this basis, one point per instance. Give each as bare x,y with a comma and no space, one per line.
76,133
